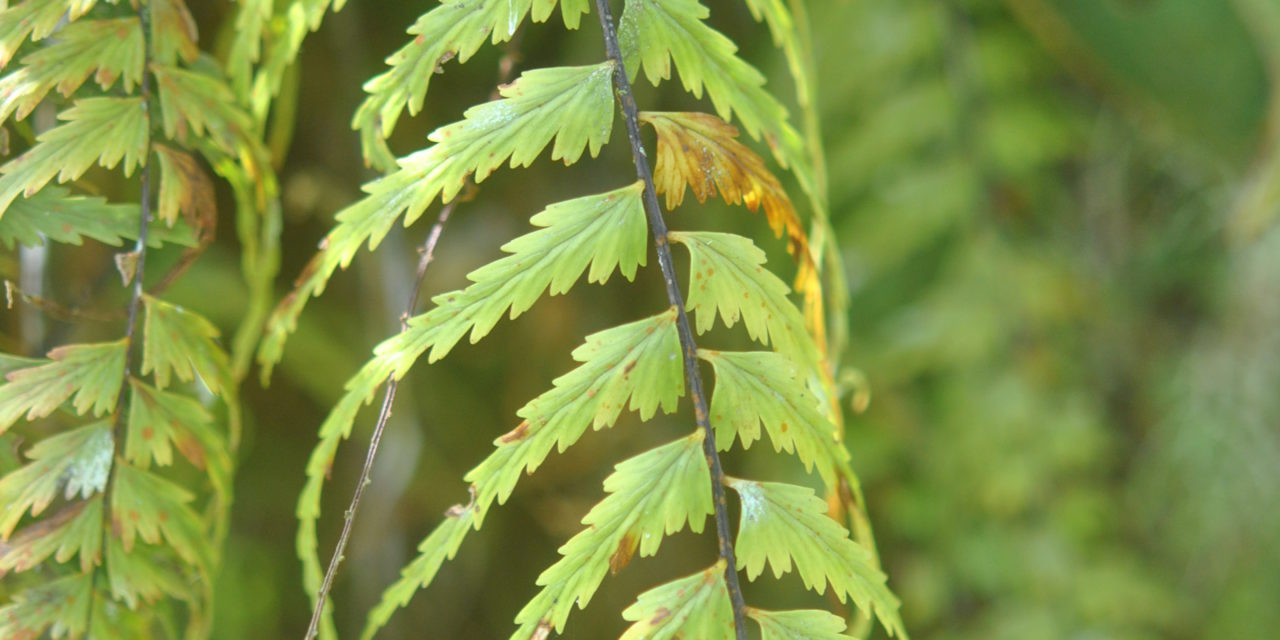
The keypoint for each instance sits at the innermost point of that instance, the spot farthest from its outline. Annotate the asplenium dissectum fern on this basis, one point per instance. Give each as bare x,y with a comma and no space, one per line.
642,366
113,526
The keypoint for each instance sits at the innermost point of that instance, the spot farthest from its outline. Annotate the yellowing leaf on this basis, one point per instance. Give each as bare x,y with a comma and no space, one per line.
74,529
35,18
695,606
783,523
700,150
102,130
650,495
173,32
803,624
90,372
60,605
158,420
186,190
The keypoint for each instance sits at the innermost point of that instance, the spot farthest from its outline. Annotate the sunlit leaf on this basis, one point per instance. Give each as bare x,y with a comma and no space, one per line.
37,19
90,372
803,624
73,462
695,606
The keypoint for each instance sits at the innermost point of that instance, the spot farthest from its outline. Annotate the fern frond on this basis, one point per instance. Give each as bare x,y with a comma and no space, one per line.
572,105
90,372
74,462
102,130
55,215
177,342
74,529
297,18
802,624
196,103
650,495
695,606
173,32
785,36
453,29
147,506
727,277
783,523
654,33
159,420
37,19
144,574
185,189
60,605
107,49
757,387
635,365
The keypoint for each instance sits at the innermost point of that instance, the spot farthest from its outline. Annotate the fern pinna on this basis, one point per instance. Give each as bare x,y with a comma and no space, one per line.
646,365
112,527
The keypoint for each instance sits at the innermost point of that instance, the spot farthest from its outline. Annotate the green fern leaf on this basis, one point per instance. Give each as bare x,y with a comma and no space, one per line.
449,30
76,461
102,130
804,624
185,189
653,33
147,506
105,49
297,17
573,105
695,606
637,363
782,29
441,545
650,495
757,387
727,277
173,32
55,215
35,18
144,574
74,529
178,342
783,523
90,372
246,47
158,420
194,103
60,605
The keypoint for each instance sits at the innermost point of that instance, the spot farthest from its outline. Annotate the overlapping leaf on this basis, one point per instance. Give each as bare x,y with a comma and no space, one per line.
453,29
102,130
783,523
60,605
143,574
177,342
699,150
92,373
636,365
757,387
73,462
653,33
186,190
173,32
802,624
55,215
158,421
695,606
650,495
147,506
572,105
727,277
37,19
106,49
196,103
74,529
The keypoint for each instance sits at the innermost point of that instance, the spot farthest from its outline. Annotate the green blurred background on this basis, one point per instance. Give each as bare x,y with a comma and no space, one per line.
1059,224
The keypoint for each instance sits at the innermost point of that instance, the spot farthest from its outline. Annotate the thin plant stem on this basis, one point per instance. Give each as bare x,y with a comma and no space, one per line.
690,350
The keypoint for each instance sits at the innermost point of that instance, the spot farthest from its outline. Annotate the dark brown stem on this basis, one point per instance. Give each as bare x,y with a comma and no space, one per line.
384,414
659,228
506,67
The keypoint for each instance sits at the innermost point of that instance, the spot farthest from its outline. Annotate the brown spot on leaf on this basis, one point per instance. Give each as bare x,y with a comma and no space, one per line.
622,555
519,433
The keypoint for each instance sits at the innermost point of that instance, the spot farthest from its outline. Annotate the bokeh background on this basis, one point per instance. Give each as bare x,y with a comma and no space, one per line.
1059,224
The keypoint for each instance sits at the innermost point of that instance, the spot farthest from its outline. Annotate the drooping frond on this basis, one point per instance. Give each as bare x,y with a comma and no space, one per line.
802,624
757,387
55,215
72,462
453,29
90,372
37,19
783,523
654,33
727,277
635,365
783,30
101,130
572,105
650,495
196,103
60,605
695,606
183,344
105,49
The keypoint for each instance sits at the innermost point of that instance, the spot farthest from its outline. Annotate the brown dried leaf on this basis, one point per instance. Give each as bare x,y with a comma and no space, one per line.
185,189
699,150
